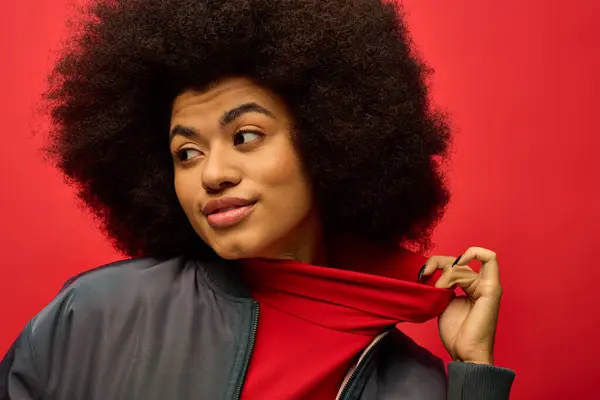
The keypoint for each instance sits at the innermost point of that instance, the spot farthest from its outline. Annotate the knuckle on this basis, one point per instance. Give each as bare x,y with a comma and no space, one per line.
482,251
449,272
437,261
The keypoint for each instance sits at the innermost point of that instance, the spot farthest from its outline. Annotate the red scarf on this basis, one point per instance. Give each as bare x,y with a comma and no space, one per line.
314,321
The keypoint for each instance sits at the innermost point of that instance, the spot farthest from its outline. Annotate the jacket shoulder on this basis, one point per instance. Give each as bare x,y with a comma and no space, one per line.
132,312
87,305
141,278
120,274
107,287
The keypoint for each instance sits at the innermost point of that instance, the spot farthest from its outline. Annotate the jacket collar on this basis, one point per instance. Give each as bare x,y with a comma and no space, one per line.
224,276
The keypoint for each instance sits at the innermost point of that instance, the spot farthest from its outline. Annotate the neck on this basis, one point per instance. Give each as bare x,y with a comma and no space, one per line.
308,253
305,245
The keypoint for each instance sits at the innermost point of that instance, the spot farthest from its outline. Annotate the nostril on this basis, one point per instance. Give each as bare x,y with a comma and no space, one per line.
213,189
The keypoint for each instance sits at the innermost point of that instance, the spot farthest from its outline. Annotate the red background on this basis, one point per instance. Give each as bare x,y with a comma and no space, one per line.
520,81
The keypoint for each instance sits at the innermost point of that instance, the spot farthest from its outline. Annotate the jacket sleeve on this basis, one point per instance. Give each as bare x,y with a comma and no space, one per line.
35,365
18,378
468,381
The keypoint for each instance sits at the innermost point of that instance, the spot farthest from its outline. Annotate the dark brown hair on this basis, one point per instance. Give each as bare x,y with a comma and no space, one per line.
365,129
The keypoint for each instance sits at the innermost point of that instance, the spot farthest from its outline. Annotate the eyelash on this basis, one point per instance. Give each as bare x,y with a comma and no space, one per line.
180,154
241,132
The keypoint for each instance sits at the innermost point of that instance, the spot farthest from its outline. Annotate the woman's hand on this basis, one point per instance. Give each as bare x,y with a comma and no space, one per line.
468,326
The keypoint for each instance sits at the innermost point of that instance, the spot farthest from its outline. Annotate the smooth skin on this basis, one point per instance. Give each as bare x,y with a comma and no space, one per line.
234,139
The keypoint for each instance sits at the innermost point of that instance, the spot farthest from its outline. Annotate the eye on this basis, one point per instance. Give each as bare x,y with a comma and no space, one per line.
244,137
186,154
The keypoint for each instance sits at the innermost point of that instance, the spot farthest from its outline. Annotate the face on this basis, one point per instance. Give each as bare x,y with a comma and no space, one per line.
237,175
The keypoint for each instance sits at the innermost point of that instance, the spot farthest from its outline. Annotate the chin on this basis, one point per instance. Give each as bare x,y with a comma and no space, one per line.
234,249
229,254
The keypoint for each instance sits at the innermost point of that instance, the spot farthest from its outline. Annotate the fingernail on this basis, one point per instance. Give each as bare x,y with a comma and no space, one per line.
457,260
420,276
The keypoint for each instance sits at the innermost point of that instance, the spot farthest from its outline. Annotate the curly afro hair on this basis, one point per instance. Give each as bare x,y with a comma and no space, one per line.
365,130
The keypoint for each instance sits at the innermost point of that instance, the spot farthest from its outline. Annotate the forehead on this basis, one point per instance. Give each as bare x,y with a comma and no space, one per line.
224,95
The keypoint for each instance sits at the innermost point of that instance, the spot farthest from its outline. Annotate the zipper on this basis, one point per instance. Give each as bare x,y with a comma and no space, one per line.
343,393
255,313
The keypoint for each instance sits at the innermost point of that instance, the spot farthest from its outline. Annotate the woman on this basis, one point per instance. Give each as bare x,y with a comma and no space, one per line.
255,155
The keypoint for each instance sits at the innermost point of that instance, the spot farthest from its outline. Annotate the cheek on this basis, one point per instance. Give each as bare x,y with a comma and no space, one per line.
283,180
283,169
281,166
185,191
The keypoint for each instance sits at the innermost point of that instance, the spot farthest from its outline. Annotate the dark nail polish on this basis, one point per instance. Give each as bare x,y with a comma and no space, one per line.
420,276
457,260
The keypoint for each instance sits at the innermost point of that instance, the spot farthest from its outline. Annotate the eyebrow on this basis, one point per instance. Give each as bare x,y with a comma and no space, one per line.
186,132
227,118
231,115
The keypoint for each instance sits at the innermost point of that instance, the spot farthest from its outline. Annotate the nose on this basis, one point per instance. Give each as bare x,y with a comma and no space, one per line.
219,172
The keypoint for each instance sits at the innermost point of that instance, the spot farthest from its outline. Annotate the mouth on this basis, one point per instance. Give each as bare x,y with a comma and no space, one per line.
226,212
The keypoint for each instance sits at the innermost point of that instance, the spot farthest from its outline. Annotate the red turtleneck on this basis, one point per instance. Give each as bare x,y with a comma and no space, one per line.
314,321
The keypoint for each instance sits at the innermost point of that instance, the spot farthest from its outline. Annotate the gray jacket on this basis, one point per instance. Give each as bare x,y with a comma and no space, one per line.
182,330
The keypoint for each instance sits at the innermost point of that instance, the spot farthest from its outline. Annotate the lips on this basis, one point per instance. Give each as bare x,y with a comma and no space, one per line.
227,211
223,203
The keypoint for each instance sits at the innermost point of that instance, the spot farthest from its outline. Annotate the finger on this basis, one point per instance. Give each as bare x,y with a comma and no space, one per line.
433,263
489,267
461,276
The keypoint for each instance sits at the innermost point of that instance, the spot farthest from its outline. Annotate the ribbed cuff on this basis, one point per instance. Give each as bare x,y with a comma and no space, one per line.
468,381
